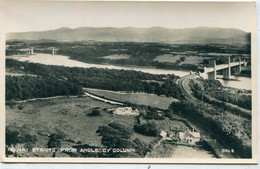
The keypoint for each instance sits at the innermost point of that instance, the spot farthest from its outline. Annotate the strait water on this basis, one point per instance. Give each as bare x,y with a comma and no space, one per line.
60,60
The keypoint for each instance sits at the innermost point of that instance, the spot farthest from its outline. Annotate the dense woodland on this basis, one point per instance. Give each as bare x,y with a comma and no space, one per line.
116,135
230,124
231,129
58,80
18,135
149,129
26,87
213,89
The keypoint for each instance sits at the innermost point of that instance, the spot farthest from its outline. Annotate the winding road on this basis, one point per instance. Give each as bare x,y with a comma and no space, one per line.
217,146
184,85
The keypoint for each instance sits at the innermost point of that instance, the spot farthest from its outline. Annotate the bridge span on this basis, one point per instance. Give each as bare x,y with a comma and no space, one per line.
28,51
211,72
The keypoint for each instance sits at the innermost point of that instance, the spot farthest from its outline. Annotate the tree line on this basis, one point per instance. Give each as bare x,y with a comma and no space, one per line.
60,80
27,87
214,89
233,130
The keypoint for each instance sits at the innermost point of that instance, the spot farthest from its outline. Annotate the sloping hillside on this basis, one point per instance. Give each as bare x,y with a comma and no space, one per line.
154,34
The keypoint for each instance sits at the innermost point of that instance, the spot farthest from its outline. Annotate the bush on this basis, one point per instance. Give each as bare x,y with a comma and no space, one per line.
55,140
149,129
182,59
141,147
115,135
12,136
28,138
95,112
64,111
153,114
121,128
169,114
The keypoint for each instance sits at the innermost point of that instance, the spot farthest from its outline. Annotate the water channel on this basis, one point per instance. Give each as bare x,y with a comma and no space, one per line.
60,60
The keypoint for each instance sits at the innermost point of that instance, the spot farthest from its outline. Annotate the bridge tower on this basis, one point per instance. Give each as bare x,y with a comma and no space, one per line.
213,75
239,66
227,71
54,51
215,70
245,62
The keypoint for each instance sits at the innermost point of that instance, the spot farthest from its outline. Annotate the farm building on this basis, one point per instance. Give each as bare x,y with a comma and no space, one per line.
163,135
190,137
125,111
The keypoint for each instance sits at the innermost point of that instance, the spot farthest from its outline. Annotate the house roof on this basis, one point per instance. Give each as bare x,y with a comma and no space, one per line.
195,134
163,134
189,134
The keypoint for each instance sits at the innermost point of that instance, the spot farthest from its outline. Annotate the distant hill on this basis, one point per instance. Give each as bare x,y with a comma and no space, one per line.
153,34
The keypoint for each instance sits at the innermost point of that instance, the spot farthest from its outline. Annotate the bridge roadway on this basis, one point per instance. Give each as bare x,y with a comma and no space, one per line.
223,66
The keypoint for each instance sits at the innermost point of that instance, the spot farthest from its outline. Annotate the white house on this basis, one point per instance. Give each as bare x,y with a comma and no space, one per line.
190,137
163,134
125,111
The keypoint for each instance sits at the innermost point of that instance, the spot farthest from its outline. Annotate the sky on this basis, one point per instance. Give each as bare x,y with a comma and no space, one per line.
38,16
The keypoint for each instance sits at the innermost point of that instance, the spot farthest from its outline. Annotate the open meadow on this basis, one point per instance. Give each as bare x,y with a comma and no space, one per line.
41,118
117,56
168,58
67,115
196,60
153,100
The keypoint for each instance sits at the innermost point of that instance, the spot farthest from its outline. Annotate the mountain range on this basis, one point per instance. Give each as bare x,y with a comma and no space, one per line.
130,34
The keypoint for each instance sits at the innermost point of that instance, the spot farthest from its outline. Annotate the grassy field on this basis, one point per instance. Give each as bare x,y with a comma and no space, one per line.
168,124
173,58
162,151
167,58
117,56
161,102
194,60
69,115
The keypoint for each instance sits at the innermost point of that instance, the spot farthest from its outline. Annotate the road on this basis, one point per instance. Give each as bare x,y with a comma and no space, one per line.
38,99
55,97
206,134
102,99
184,85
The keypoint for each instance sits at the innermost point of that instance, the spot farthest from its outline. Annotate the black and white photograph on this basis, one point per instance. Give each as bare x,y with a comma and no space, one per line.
135,82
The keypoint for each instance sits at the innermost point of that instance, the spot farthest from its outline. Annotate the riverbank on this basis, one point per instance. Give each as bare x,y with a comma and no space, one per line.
150,65
60,60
